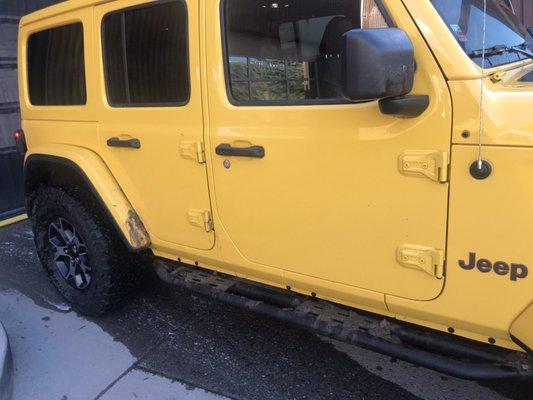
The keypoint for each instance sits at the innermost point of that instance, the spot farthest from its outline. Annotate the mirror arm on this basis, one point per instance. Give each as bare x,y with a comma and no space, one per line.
406,107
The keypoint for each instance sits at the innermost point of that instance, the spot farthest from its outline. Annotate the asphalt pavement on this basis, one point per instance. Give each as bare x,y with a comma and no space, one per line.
170,344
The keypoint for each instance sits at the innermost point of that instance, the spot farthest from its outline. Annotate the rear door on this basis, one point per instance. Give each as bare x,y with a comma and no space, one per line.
344,194
150,123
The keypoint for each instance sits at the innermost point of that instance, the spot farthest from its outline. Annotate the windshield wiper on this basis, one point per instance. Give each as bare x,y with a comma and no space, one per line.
500,49
523,48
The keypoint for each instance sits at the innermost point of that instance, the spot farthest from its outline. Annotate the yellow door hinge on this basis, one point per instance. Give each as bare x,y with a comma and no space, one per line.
201,219
427,259
432,164
192,150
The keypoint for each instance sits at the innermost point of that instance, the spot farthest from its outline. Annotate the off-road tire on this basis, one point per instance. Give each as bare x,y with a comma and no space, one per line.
115,273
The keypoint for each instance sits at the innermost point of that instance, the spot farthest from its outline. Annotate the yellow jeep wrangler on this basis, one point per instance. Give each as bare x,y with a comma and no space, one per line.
361,168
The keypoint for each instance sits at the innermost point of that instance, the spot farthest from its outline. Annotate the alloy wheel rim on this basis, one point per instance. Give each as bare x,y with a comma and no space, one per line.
70,253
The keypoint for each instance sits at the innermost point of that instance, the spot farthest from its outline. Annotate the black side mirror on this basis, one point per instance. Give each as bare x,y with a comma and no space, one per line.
377,64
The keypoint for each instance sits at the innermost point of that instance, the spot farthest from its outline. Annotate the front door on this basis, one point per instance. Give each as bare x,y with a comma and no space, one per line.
150,124
330,198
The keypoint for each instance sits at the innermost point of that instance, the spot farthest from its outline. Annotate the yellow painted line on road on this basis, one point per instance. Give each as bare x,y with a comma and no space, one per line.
13,220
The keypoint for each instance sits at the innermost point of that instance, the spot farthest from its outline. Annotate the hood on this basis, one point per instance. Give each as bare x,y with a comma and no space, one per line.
507,108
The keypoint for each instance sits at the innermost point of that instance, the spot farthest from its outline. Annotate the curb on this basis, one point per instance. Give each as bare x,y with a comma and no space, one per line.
6,366
13,220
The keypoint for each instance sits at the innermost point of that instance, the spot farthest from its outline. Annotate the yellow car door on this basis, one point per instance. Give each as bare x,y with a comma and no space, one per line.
150,122
327,190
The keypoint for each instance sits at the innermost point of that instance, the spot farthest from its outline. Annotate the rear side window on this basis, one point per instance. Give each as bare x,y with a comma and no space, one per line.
56,66
288,52
145,55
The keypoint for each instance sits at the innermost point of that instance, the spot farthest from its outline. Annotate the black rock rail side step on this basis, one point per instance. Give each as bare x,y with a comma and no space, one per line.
439,351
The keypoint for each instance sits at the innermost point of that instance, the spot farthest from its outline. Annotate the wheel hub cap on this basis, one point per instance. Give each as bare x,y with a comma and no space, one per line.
70,253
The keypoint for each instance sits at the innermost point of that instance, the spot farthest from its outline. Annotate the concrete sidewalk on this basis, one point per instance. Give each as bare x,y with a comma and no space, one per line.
170,345
59,355
6,366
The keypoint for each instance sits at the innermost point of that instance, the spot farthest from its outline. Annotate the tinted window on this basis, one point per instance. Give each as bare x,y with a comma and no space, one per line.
289,52
145,55
56,70
503,28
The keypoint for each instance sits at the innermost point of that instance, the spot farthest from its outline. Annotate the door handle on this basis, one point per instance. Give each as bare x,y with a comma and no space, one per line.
226,149
127,143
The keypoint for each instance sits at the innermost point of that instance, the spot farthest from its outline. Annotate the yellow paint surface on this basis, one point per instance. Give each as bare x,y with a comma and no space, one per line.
328,208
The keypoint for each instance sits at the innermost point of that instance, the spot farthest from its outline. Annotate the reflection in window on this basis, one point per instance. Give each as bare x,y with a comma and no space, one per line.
290,51
270,80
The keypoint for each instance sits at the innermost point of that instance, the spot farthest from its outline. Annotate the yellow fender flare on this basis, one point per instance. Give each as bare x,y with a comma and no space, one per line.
106,189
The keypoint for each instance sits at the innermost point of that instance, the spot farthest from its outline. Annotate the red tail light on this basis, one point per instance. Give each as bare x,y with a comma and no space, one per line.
20,141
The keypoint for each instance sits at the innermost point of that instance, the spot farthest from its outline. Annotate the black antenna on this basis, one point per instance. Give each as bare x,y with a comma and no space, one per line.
481,169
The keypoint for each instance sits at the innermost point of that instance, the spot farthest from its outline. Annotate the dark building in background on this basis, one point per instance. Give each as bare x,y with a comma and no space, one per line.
11,198
524,8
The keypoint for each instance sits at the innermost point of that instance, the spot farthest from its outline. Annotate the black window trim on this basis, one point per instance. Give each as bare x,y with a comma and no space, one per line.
279,103
39,30
104,68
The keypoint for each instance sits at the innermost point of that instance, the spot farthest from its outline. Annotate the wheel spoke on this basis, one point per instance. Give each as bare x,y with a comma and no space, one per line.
82,268
56,234
70,253
64,269
78,279
82,274
71,271
60,251
70,234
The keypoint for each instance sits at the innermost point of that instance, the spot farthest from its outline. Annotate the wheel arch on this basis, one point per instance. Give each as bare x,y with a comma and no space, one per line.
70,167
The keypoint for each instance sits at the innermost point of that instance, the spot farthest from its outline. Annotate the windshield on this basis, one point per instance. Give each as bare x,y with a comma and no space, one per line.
465,20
